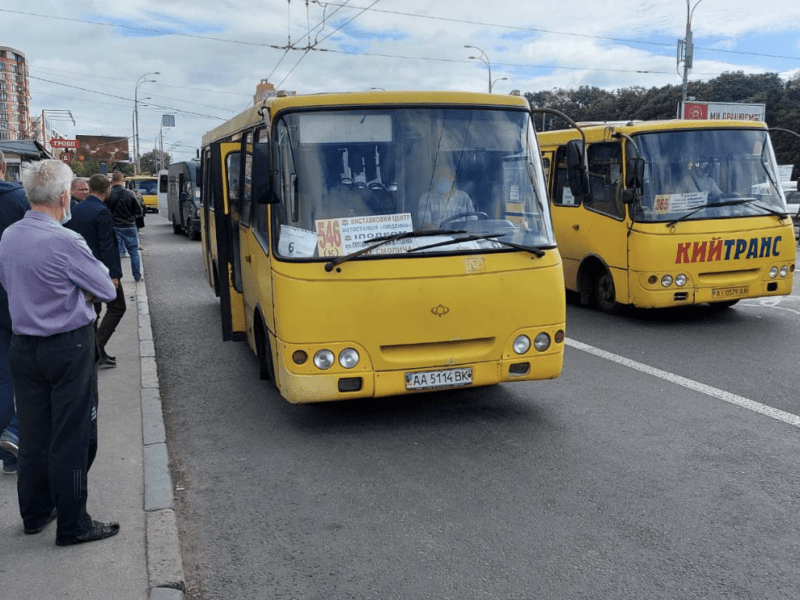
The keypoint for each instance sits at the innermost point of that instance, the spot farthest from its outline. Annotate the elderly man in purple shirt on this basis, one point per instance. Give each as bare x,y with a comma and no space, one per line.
51,278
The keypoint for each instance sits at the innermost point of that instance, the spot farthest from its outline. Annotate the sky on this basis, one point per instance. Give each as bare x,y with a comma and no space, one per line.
95,58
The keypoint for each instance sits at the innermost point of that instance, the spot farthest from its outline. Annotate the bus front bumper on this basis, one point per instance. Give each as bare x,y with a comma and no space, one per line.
649,296
305,389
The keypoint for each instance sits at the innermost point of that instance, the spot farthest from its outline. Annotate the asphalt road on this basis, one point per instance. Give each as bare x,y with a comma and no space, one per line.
662,464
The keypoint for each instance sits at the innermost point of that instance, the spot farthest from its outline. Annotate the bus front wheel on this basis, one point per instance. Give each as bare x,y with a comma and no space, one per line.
605,294
264,353
176,227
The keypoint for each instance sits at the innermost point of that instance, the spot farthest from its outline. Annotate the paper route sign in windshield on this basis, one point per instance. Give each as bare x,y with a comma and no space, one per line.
344,235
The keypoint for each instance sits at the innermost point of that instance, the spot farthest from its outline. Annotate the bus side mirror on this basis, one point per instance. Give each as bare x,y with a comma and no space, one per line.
262,186
634,179
634,173
577,169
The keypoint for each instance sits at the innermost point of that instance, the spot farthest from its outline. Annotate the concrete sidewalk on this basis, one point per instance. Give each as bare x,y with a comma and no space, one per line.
129,483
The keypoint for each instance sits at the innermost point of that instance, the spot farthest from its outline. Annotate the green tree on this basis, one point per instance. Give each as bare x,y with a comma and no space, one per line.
150,161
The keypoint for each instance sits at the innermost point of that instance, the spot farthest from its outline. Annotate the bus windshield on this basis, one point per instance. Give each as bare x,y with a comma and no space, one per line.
470,179
707,174
147,186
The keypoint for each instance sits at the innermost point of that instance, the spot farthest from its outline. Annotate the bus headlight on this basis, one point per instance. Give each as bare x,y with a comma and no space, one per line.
666,280
541,342
773,272
680,280
324,359
348,358
522,344
784,271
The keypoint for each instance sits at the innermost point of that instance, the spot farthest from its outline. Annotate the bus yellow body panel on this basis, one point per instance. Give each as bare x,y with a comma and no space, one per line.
400,321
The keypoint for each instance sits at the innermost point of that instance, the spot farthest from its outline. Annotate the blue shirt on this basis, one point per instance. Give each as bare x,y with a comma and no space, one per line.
46,270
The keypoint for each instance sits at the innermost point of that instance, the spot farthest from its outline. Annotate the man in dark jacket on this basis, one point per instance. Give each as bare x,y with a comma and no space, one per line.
93,220
13,206
125,207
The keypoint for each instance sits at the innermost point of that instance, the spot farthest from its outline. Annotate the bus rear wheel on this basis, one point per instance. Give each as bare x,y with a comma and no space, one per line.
605,294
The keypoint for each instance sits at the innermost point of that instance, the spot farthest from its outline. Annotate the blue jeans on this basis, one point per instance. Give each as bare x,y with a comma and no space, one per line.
128,237
8,416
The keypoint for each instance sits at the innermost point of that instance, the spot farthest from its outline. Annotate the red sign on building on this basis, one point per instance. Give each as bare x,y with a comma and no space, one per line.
62,143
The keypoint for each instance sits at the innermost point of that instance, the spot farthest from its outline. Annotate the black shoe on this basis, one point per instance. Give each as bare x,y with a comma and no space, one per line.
50,518
99,531
105,362
108,357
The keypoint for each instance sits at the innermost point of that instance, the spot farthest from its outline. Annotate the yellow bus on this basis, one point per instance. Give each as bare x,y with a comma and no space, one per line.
383,243
147,186
675,213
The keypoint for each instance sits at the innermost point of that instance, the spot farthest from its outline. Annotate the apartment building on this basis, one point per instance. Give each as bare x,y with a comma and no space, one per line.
15,95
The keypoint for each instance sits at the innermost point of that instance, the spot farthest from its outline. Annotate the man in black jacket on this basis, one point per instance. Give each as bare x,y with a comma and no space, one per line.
93,220
125,207
13,206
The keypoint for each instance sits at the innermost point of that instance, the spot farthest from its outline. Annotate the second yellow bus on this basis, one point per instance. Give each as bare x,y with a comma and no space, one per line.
677,213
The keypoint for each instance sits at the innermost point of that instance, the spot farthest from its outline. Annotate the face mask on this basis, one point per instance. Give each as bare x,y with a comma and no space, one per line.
67,214
442,187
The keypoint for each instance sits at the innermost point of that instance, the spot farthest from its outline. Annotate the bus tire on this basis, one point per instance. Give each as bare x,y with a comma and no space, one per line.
264,353
605,294
191,232
176,227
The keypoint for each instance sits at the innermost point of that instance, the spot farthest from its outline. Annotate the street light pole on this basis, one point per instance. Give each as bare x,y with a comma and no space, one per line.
485,59
688,47
499,79
136,116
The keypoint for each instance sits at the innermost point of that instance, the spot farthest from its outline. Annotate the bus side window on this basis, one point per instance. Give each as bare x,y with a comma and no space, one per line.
562,195
260,210
605,179
247,148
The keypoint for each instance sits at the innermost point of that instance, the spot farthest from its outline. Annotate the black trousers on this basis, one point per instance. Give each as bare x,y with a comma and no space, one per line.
114,311
53,380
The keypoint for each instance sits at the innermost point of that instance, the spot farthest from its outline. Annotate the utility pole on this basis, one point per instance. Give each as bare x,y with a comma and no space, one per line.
686,49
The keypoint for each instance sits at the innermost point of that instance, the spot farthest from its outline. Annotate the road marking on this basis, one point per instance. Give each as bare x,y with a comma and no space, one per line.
772,302
690,384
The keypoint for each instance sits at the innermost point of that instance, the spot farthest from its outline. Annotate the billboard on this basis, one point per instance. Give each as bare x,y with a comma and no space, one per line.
102,147
724,111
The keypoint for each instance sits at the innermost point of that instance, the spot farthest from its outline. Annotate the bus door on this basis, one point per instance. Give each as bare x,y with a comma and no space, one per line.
225,163
594,225
254,248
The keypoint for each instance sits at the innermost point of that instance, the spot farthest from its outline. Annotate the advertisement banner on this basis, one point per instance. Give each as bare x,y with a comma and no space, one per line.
101,147
723,111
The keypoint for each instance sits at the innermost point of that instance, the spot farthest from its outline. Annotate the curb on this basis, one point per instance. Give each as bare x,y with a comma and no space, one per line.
164,563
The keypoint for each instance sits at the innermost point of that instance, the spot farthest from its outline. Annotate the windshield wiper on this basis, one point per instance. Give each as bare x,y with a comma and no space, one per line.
709,205
492,236
771,211
735,202
385,239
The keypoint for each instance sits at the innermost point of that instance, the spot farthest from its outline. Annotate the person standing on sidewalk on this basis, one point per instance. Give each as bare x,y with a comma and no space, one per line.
125,208
94,221
13,207
78,191
51,278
